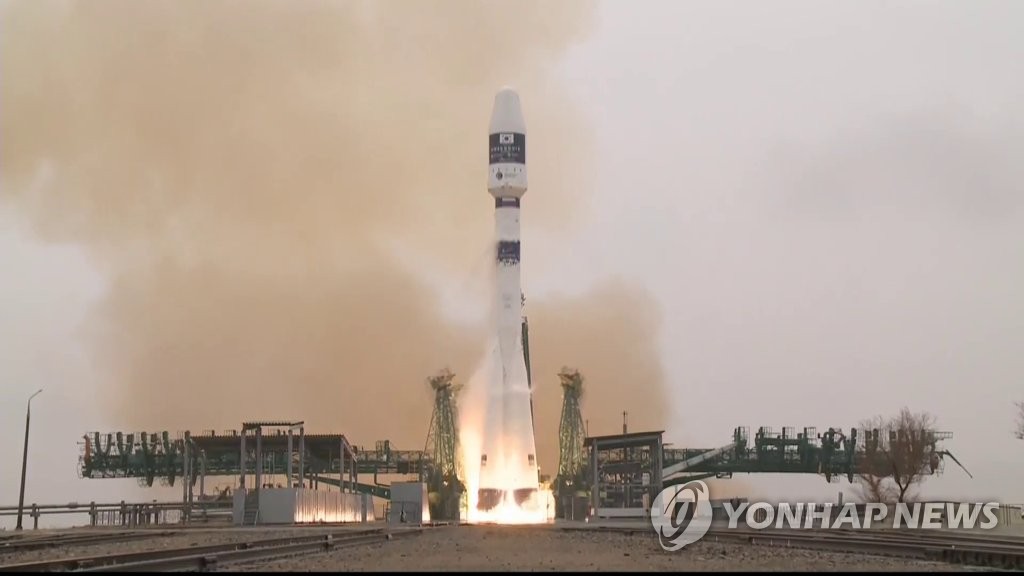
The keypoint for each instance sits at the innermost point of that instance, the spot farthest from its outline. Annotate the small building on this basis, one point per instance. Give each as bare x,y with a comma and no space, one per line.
625,473
408,504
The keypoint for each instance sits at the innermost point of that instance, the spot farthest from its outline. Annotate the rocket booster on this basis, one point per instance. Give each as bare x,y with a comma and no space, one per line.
508,464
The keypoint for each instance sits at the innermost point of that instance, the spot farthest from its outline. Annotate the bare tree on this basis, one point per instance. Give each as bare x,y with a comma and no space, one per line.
899,454
1020,421
876,489
873,485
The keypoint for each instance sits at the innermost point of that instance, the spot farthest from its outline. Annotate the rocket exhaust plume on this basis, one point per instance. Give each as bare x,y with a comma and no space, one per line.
261,186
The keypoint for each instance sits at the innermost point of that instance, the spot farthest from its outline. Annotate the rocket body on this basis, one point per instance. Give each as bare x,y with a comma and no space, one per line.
508,464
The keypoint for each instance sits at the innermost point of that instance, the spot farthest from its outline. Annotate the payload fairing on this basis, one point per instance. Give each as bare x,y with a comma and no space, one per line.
508,462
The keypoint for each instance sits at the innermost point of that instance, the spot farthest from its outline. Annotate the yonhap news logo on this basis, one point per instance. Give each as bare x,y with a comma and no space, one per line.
682,515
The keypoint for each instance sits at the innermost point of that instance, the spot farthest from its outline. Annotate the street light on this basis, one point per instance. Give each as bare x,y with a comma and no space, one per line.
24,459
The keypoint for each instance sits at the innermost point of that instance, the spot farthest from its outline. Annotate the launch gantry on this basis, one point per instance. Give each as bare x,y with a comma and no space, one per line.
569,483
444,471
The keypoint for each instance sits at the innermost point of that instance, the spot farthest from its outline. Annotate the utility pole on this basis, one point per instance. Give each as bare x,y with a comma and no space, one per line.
24,459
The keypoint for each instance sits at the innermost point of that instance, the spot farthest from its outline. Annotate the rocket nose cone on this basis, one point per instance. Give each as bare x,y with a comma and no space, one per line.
507,115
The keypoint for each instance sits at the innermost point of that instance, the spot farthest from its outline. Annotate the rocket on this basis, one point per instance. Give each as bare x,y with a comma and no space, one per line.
508,463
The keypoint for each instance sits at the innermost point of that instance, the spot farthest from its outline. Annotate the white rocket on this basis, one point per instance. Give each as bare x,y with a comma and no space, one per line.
508,463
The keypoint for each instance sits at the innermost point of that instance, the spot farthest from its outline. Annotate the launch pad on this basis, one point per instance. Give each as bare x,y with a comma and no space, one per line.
609,476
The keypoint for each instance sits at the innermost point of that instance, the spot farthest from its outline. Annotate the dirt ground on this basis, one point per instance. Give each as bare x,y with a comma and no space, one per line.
180,539
508,548
498,548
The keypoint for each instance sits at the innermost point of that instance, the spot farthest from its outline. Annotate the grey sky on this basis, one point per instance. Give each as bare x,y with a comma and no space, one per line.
824,197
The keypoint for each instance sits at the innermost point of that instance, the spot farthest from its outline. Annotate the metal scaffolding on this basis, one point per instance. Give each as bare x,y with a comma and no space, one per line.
444,474
625,472
570,480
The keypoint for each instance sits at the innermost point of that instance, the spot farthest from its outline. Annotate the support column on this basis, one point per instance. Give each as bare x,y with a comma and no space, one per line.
291,481
184,475
354,472
191,480
302,456
659,464
186,466
202,473
241,463
259,458
595,487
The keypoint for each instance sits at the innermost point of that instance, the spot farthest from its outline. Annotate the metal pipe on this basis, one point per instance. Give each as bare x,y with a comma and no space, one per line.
24,459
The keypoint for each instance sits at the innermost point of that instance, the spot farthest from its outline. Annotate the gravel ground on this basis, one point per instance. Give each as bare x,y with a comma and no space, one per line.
189,537
494,548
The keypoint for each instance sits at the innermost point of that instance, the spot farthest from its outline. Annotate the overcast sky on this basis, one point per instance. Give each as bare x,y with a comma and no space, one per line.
825,198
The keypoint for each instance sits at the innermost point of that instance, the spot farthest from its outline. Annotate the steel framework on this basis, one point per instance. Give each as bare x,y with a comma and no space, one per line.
831,454
571,435
158,455
626,471
444,472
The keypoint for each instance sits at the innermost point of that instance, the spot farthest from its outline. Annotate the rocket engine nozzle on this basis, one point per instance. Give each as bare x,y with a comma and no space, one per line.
489,498
523,494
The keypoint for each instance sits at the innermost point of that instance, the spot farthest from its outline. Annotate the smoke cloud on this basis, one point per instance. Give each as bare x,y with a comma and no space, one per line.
252,179
611,336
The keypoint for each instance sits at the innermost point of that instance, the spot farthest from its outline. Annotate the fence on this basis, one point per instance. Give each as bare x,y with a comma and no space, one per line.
128,514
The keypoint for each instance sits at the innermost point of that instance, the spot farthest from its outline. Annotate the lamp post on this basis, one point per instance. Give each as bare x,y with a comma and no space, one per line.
24,459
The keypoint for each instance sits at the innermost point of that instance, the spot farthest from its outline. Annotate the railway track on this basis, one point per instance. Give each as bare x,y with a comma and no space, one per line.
939,535
207,557
967,549
947,548
16,545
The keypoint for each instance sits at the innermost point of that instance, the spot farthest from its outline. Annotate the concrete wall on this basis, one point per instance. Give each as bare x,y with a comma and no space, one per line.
277,505
238,505
302,505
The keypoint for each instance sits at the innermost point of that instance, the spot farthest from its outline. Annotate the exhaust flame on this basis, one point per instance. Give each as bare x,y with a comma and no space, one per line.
538,509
